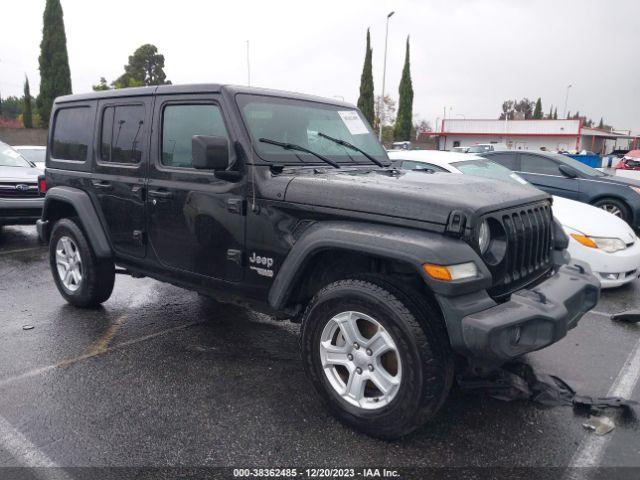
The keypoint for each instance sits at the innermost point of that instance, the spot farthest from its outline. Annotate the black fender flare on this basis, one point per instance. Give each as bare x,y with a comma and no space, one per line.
81,202
413,247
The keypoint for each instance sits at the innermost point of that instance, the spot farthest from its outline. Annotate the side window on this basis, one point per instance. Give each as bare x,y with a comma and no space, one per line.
72,133
122,134
410,165
508,160
180,123
539,164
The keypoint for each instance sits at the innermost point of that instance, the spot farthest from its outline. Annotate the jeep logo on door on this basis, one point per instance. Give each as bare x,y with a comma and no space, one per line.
21,187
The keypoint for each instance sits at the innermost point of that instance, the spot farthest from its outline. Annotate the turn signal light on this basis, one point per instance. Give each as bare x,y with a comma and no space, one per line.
584,240
448,273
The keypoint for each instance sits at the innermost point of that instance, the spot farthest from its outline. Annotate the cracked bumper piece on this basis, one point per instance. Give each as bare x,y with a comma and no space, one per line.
533,318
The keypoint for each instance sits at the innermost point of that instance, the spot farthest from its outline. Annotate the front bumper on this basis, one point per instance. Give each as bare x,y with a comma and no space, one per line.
20,211
533,318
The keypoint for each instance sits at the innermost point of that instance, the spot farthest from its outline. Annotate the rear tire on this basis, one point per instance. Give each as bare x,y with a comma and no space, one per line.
82,279
615,207
418,380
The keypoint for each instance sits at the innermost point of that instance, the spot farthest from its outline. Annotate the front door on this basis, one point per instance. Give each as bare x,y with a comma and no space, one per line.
117,182
544,173
196,221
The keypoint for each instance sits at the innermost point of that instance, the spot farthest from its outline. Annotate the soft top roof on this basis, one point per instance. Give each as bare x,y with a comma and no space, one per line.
196,88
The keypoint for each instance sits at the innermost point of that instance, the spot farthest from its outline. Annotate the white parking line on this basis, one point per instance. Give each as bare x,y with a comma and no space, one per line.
592,447
28,455
9,252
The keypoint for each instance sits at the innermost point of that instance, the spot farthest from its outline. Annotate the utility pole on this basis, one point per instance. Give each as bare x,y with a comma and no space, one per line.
248,66
384,74
566,101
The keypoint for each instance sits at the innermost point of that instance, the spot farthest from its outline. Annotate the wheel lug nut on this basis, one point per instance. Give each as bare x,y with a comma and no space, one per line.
369,352
355,345
358,370
371,368
350,357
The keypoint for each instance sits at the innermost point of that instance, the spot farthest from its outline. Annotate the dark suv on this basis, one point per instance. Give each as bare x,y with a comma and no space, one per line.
286,203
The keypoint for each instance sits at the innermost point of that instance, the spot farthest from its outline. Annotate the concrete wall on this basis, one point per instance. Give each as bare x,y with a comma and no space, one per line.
23,136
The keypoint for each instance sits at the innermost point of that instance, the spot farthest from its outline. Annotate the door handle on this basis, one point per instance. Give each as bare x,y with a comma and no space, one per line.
101,184
160,194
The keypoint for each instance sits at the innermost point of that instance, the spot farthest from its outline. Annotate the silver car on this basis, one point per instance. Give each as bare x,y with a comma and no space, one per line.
20,200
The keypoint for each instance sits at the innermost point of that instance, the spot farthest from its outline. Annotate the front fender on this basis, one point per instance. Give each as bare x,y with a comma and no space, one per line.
81,203
410,246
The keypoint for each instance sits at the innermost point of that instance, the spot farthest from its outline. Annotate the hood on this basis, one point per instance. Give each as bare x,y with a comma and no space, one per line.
19,174
412,195
590,220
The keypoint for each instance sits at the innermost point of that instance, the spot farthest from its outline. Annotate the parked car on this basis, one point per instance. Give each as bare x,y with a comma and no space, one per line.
607,243
286,203
567,177
630,161
401,146
486,147
33,153
20,200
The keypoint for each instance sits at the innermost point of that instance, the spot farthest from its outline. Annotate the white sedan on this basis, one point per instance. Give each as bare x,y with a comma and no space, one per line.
599,238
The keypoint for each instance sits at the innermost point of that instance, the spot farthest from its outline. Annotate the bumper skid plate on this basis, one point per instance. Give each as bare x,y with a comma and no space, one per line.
533,318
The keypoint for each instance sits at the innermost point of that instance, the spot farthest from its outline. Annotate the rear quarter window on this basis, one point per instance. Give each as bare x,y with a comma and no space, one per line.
72,133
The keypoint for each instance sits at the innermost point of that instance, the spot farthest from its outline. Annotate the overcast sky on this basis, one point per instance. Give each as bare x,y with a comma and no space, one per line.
467,55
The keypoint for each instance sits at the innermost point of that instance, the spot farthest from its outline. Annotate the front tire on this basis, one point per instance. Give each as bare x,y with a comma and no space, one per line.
614,207
82,279
378,357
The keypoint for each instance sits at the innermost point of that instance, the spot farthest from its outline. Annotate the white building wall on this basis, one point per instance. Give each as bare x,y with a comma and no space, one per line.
530,127
511,142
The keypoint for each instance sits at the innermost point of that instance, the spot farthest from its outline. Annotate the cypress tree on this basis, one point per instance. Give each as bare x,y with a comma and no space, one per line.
404,120
27,117
537,111
366,98
555,113
0,104
601,124
55,76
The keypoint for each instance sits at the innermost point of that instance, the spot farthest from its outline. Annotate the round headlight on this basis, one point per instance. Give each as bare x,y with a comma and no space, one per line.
484,237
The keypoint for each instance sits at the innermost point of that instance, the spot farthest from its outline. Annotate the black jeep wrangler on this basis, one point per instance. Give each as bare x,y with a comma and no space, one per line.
286,203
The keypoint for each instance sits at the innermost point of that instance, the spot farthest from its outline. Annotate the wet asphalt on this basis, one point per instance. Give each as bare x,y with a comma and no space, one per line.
159,377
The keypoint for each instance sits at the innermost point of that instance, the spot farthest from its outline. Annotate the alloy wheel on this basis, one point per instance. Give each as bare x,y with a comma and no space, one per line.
69,263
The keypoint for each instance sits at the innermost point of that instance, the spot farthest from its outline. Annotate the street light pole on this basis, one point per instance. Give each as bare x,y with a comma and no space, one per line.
384,74
248,67
566,101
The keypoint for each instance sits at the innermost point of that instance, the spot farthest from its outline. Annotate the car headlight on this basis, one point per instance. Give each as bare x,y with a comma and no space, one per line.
609,245
635,189
484,237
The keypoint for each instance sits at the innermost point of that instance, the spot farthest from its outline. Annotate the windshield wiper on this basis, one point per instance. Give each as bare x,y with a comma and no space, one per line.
299,148
344,143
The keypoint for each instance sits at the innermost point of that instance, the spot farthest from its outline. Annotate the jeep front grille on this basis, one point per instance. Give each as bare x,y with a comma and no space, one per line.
529,238
18,190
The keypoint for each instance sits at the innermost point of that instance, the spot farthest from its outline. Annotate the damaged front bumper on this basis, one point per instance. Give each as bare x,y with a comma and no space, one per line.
533,318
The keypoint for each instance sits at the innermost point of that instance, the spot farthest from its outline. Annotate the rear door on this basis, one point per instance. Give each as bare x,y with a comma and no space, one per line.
544,173
195,219
117,182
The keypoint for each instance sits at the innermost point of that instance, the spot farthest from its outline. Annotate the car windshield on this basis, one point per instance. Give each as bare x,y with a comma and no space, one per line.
478,149
488,169
36,155
10,158
581,167
300,122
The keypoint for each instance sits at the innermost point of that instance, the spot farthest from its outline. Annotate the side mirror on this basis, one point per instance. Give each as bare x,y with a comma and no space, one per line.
568,171
210,153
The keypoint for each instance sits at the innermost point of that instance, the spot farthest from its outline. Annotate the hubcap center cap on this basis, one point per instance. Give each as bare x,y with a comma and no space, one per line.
361,359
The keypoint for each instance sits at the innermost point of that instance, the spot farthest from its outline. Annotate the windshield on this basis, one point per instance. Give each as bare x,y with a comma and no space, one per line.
300,122
36,155
488,169
10,158
478,149
581,167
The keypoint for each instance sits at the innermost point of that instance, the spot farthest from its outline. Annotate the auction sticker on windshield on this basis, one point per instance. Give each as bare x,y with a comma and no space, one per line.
353,122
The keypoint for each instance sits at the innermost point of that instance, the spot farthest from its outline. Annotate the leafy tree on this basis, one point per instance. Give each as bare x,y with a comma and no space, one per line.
388,110
27,115
102,85
404,120
537,112
55,75
511,108
12,107
366,98
145,67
